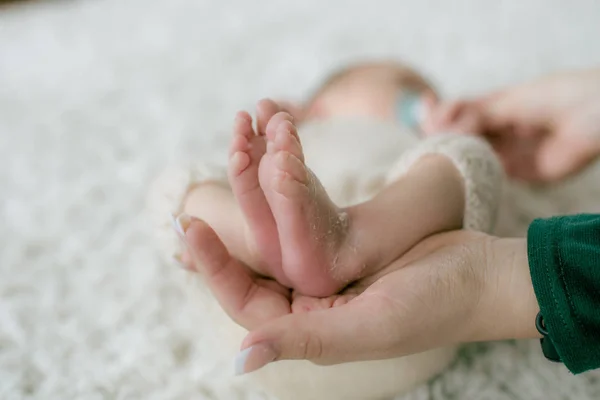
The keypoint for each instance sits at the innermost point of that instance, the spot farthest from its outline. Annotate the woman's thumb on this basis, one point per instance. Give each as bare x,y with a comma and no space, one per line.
328,336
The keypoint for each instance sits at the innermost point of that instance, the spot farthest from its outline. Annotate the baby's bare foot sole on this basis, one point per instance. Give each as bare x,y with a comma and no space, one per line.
312,230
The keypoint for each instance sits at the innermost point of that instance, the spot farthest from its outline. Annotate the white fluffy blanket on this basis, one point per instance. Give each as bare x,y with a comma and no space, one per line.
97,96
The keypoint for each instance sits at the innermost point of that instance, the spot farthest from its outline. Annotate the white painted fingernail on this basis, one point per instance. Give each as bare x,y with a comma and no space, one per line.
177,261
181,223
253,358
240,361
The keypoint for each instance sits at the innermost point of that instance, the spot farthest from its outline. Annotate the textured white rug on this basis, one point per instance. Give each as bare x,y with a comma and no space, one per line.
97,96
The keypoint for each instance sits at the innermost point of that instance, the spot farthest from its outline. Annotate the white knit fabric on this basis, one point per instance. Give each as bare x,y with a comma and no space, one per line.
476,162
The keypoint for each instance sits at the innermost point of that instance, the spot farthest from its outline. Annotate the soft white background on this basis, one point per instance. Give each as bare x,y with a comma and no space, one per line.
97,96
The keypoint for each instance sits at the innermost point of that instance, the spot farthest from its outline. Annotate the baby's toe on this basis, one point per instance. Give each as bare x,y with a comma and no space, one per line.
286,138
243,125
238,163
275,123
242,133
290,165
265,110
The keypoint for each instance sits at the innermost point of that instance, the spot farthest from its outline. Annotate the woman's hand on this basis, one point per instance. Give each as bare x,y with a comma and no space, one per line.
549,129
543,131
451,288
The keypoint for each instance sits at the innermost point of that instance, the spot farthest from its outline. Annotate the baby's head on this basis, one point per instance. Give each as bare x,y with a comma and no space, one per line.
375,89
384,90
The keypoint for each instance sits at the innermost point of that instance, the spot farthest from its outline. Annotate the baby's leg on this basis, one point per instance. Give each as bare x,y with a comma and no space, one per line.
198,189
427,199
214,203
480,172
324,247
237,210
443,183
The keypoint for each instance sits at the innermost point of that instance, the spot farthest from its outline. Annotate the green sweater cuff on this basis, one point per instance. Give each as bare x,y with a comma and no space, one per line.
564,260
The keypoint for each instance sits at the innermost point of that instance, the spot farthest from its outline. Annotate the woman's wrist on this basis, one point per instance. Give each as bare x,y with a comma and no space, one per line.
508,306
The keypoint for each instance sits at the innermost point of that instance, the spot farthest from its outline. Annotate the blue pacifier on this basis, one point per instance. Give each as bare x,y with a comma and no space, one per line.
409,109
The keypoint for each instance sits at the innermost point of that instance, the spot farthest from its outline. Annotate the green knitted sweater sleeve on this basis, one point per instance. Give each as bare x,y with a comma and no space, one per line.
564,260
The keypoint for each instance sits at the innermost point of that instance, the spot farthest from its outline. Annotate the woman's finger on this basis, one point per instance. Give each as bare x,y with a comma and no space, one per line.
242,297
554,163
354,331
524,110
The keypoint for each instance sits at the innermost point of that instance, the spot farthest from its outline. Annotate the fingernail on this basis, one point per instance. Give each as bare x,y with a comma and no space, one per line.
181,223
177,261
253,358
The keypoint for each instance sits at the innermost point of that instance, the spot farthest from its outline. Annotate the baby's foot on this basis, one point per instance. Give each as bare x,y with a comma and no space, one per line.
247,149
313,232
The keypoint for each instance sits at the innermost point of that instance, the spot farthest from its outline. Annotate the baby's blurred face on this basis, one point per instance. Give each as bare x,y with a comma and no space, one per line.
395,93
372,90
